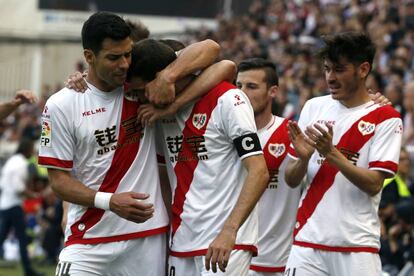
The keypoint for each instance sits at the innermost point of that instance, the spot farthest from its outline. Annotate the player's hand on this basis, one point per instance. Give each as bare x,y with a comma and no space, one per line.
160,91
148,114
378,98
302,144
131,206
220,249
320,138
77,82
24,96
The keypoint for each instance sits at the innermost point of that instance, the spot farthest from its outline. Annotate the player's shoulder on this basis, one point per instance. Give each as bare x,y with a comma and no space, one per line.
234,97
388,111
62,97
325,99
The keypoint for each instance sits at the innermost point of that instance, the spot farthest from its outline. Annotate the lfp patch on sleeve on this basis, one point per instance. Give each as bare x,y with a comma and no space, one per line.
46,136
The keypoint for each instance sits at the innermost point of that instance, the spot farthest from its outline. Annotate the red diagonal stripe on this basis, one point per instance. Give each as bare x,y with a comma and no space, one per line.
352,140
121,162
184,170
280,136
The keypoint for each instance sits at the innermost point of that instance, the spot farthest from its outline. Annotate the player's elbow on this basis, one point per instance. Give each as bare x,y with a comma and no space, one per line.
213,47
229,69
375,189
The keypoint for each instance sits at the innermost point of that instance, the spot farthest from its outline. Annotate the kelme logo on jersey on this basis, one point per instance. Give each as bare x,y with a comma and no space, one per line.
277,150
46,135
199,120
366,128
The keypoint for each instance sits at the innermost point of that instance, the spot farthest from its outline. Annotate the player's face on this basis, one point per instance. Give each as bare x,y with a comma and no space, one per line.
253,83
112,62
136,87
342,79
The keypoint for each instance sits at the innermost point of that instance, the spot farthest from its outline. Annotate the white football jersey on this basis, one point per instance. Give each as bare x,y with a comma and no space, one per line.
278,205
333,213
205,144
95,136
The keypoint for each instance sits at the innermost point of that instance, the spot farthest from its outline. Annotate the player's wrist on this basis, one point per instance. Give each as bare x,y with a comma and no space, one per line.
102,200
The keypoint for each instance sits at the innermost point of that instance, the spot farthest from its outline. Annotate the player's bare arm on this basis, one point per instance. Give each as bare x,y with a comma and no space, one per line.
224,70
369,181
21,97
253,187
127,205
196,56
296,169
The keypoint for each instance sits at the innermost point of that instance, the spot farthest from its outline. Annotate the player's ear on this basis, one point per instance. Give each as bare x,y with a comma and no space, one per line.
273,91
364,69
89,56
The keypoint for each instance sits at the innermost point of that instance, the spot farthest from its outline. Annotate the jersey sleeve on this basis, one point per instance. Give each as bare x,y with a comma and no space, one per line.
57,142
385,148
238,123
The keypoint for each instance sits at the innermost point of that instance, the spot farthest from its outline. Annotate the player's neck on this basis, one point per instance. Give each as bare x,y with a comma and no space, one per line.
359,98
263,119
93,79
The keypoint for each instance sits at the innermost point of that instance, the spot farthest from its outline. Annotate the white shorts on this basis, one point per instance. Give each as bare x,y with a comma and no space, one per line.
138,257
304,261
257,273
238,265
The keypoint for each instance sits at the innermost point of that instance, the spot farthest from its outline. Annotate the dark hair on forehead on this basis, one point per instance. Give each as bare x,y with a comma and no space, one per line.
267,66
355,47
102,25
149,56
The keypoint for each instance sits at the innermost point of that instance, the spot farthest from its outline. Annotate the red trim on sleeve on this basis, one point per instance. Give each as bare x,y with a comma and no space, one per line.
273,269
388,165
337,248
50,161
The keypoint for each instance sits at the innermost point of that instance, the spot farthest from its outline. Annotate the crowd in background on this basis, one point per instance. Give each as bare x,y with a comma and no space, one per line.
288,33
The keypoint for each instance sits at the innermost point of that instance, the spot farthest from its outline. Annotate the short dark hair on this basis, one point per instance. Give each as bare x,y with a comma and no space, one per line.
174,44
138,30
103,25
355,47
149,56
267,66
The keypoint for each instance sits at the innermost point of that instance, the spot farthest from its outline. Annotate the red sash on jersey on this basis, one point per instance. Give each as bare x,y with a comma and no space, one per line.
352,140
184,170
279,137
121,162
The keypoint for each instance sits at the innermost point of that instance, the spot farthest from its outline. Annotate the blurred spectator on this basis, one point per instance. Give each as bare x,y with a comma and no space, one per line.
13,183
408,104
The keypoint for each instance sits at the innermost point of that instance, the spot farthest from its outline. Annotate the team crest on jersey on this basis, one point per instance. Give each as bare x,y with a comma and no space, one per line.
277,150
46,135
199,120
366,128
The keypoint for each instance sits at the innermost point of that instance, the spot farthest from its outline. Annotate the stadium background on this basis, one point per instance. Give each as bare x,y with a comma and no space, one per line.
40,46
